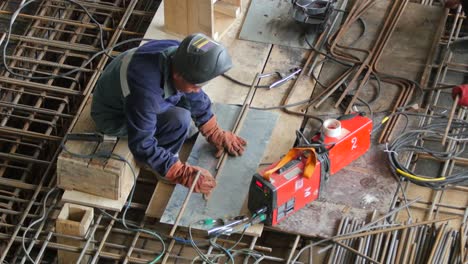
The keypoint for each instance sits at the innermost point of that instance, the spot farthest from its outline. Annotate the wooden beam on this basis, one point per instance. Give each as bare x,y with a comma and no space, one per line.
73,220
227,9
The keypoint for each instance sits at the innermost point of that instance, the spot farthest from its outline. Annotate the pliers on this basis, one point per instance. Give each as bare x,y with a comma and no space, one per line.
291,74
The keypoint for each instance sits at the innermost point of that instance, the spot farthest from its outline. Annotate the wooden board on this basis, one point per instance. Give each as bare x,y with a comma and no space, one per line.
192,16
109,178
229,196
73,220
161,195
95,201
226,8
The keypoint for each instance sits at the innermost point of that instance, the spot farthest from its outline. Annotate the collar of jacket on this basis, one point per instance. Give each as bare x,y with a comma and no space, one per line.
165,66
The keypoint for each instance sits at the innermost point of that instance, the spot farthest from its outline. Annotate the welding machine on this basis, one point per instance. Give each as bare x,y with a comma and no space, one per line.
291,183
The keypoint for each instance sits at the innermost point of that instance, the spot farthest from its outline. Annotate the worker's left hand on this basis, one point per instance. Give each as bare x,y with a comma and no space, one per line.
221,139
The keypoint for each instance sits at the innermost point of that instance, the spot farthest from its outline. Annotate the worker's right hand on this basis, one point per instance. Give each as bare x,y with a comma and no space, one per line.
185,174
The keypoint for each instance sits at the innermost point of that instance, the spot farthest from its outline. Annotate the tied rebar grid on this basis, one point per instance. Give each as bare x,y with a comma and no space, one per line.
56,37
50,38
443,69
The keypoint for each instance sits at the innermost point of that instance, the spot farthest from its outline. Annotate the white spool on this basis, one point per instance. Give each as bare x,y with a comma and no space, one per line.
332,128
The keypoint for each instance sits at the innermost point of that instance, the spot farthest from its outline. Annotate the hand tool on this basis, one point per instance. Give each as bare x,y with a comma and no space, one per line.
285,77
235,224
297,179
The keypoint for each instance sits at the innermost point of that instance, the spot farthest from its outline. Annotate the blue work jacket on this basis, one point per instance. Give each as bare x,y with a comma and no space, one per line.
151,92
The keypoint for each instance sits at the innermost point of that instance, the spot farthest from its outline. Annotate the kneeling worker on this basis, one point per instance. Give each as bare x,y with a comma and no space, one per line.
152,93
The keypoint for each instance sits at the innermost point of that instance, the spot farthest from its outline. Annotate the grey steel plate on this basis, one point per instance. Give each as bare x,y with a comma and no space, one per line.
270,21
234,178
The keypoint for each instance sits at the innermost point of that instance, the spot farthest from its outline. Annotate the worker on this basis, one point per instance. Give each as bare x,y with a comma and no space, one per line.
152,93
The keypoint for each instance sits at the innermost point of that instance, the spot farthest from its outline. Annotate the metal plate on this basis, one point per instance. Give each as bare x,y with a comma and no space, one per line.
234,178
270,21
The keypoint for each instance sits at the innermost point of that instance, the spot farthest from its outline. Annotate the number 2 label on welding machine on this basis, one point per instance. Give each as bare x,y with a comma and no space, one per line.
299,183
354,142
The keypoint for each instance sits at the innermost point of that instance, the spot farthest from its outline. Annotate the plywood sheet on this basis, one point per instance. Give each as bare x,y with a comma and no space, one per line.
234,177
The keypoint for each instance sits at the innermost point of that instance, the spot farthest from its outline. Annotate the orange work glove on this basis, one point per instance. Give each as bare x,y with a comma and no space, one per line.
185,174
222,139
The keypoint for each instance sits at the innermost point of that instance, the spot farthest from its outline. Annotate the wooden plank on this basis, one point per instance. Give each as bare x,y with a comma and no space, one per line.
227,8
234,2
176,15
126,176
222,23
161,195
73,220
109,178
227,199
74,175
95,201
200,17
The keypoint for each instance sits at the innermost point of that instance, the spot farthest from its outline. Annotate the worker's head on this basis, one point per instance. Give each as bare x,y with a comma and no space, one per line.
197,60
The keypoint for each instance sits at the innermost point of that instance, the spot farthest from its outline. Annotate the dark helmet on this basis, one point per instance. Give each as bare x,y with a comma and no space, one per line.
199,59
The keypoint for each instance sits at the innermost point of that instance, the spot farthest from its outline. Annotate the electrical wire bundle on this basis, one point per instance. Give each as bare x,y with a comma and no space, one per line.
412,142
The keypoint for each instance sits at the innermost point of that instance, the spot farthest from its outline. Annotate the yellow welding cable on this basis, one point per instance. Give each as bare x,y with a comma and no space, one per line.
419,178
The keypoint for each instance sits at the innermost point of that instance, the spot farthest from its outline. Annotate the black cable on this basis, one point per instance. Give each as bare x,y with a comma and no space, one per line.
242,83
316,79
411,142
325,54
369,107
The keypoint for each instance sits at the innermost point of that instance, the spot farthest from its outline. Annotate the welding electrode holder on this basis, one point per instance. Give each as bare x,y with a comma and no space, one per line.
237,223
91,136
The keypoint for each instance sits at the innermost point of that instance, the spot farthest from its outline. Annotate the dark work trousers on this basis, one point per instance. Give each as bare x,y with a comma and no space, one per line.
172,128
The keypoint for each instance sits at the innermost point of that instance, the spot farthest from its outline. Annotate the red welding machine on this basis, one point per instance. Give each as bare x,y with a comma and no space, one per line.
289,184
